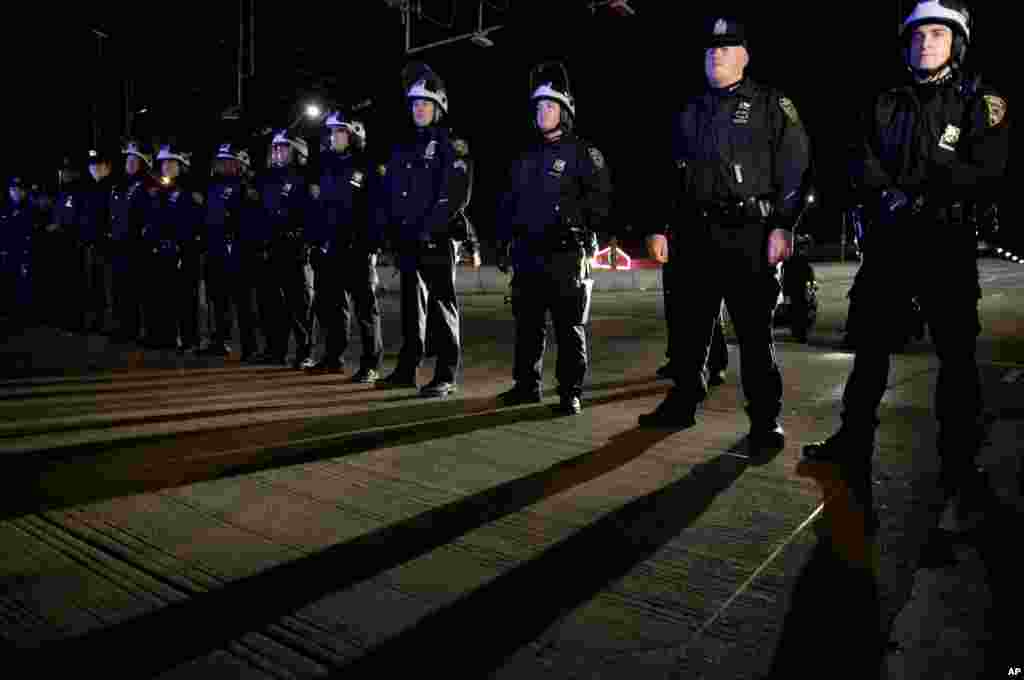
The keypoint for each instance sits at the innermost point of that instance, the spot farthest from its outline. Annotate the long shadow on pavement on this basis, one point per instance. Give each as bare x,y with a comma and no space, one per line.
478,632
182,631
38,482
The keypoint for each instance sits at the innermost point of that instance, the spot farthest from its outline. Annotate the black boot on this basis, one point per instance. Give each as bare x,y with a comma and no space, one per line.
568,405
520,395
675,412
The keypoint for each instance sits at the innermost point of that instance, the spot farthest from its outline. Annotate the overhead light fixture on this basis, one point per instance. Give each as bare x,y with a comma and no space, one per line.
481,40
313,111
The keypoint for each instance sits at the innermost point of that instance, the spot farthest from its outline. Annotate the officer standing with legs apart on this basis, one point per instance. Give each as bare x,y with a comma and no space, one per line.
344,253
741,156
423,185
559,195
128,205
929,147
228,209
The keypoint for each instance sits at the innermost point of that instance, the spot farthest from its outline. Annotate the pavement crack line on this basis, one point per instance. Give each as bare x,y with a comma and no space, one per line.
683,648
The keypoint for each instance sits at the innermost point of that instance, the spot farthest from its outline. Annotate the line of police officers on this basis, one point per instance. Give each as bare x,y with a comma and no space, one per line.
741,155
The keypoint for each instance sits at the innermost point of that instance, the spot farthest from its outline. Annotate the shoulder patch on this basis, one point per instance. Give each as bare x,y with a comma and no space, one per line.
595,155
786,104
461,147
995,108
382,170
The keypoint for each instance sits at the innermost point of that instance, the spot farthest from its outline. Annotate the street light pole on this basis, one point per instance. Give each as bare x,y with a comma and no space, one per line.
100,35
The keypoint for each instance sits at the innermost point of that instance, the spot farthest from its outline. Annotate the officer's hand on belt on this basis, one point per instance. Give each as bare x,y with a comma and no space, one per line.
780,246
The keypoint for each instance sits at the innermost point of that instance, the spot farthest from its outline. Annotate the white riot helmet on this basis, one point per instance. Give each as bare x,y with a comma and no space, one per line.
228,151
550,80
420,82
336,119
170,152
951,13
134,148
298,145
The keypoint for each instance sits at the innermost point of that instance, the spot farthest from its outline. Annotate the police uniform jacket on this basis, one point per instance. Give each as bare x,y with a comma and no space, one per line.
93,214
340,216
555,188
17,222
66,209
128,205
423,185
229,215
175,216
741,152
941,143
285,204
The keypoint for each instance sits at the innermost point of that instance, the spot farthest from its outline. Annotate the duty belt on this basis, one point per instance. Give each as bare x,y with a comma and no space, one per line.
746,210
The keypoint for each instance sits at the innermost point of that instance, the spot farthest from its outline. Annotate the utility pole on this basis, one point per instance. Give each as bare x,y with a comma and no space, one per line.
100,35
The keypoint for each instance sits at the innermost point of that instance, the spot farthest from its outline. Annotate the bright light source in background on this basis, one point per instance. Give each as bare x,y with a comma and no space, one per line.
999,251
313,111
622,260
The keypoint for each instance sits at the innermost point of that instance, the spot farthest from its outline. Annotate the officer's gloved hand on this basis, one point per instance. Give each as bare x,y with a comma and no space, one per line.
893,200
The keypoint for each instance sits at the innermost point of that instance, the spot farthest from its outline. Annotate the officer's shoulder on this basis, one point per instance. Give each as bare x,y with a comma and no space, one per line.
781,101
590,151
995,105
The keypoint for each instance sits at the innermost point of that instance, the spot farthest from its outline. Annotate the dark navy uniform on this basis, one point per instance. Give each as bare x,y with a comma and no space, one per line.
232,262
344,257
56,256
424,183
559,196
129,203
93,246
741,155
18,223
288,294
174,241
928,151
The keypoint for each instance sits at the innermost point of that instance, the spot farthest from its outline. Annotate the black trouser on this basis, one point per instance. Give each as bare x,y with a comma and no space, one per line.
728,263
229,282
51,261
127,280
428,289
718,357
93,279
186,297
564,289
162,285
346,280
15,286
946,285
294,313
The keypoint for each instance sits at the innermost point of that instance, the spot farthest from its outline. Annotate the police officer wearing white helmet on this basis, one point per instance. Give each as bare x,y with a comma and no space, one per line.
345,246
287,292
425,189
931,146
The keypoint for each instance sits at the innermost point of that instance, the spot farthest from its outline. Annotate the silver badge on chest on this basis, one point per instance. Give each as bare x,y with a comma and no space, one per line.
949,138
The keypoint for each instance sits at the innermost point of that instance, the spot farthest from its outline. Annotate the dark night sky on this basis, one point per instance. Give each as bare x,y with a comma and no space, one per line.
629,75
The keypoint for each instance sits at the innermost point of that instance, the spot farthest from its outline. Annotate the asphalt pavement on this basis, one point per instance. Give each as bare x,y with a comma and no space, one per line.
188,517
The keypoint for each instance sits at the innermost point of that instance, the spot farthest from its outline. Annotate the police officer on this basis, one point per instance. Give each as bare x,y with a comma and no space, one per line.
344,253
94,237
559,195
931,145
741,153
175,241
287,293
228,267
18,221
424,185
129,203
